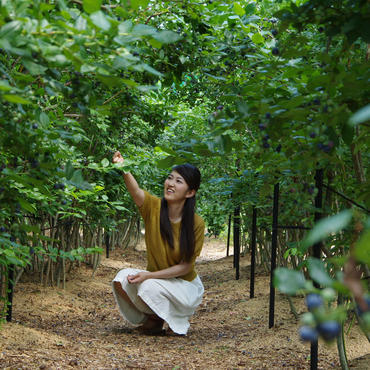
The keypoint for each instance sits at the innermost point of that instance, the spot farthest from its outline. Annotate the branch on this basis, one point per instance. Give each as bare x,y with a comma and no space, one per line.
113,97
155,15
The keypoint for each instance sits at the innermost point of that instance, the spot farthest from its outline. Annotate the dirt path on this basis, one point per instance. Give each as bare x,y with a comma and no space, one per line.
80,327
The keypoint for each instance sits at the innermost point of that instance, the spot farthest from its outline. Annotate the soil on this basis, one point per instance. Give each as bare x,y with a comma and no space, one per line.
79,327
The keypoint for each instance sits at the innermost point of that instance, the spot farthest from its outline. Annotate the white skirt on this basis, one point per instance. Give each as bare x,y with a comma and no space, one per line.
174,300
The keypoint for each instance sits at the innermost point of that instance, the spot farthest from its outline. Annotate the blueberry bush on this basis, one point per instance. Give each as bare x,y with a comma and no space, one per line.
254,93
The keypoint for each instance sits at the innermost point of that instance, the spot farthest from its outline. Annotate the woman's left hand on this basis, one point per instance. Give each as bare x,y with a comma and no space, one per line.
138,278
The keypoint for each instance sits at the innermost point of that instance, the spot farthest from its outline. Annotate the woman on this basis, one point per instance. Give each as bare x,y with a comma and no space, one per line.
170,289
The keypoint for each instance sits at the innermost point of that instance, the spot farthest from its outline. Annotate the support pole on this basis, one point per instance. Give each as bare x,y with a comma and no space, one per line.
236,240
228,236
107,246
316,251
253,250
274,240
10,293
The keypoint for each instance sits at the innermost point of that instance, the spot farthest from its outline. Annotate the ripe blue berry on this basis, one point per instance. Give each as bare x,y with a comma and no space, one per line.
275,51
313,301
308,334
329,329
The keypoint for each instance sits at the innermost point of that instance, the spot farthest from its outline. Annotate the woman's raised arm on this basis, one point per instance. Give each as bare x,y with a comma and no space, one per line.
132,186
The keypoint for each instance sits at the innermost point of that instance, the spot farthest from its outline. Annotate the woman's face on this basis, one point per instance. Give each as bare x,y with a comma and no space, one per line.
176,189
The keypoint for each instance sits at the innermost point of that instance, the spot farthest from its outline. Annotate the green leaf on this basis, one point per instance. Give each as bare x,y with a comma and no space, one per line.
318,272
288,281
166,37
238,9
105,162
327,226
360,116
26,205
136,4
15,99
155,43
100,20
4,85
362,248
33,68
91,6
167,162
143,30
77,177
257,38
44,119
69,170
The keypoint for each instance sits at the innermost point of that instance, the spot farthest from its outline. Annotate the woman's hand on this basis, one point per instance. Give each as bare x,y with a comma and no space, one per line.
138,278
117,157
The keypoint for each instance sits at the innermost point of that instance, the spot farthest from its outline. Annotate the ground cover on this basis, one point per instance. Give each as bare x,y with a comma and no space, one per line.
80,327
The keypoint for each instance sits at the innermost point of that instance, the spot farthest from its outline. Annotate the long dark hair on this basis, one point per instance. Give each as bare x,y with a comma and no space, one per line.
192,178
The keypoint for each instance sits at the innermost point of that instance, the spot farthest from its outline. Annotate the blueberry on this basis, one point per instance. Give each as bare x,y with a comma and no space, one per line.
313,301
311,189
274,33
329,329
313,135
266,145
268,115
326,148
64,202
12,239
308,334
2,229
266,137
35,126
59,186
261,126
316,101
278,148
220,107
275,51
321,146
34,163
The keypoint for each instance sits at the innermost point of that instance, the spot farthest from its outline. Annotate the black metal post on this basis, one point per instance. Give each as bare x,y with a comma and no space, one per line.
228,236
319,179
236,240
10,293
253,250
316,252
274,240
107,246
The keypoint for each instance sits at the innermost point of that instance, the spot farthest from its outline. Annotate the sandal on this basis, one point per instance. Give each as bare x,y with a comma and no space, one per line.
152,326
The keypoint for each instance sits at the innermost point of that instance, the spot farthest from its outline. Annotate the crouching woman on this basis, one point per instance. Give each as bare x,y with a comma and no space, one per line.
169,290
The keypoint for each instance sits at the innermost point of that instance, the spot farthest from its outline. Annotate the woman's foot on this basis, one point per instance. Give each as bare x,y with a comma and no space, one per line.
170,332
152,326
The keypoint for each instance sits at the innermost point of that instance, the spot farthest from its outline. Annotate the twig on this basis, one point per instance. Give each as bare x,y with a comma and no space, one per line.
155,15
113,97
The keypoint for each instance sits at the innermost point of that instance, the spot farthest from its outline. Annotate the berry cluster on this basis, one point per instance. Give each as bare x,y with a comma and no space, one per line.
316,322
